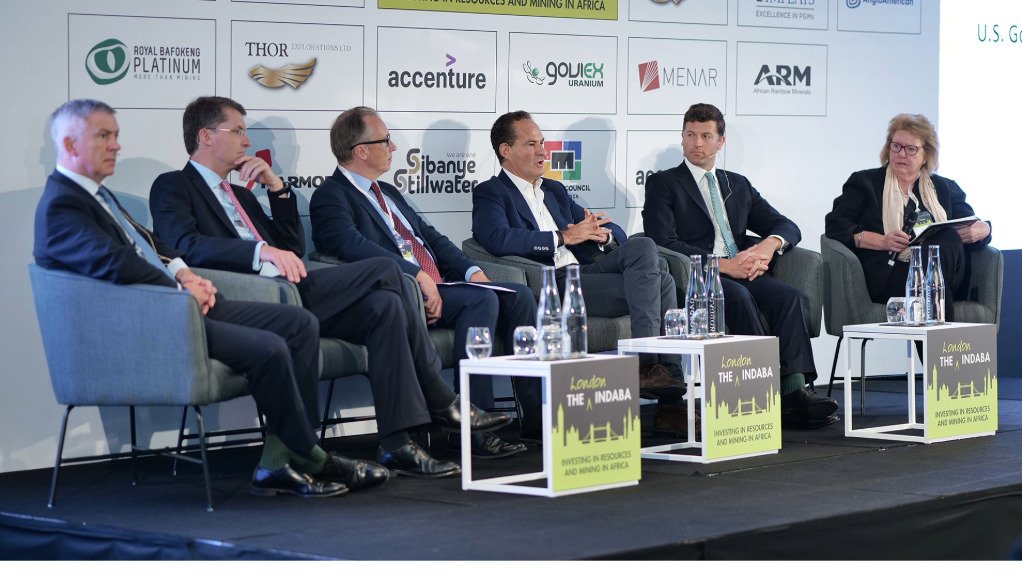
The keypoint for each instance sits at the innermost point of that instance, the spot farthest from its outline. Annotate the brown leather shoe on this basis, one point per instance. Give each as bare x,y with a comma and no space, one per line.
655,382
670,420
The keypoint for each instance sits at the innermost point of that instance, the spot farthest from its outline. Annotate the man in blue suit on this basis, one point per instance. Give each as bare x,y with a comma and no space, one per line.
80,227
355,216
520,213
694,209
221,225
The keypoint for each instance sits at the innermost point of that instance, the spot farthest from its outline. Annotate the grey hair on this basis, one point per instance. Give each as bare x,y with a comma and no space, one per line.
71,116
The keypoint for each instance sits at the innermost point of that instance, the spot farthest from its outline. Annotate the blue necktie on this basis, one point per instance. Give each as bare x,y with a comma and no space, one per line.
142,247
718,216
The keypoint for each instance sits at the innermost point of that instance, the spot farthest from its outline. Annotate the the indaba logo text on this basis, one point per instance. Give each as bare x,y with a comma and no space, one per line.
452,174
108,62
575,74
783,75
653,77
449,79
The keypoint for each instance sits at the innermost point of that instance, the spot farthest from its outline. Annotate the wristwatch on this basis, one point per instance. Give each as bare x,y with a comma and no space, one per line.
560,238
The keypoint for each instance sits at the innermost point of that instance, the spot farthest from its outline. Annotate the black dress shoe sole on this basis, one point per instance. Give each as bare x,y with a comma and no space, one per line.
802,423
518,448
273,491
457,429
419,475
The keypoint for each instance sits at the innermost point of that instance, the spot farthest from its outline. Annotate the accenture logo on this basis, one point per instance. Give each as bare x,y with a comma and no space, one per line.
564,160
107,62
649,76
449,79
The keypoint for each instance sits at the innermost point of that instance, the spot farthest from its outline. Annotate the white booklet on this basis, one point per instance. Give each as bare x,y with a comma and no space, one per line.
933,228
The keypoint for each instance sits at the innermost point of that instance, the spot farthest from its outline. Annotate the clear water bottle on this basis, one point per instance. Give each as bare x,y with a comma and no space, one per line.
714,298
915,289
695,300
573,315
934,288
549,311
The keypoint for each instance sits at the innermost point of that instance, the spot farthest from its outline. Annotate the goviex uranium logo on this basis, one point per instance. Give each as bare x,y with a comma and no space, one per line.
425,175
564,160
575,74
111,60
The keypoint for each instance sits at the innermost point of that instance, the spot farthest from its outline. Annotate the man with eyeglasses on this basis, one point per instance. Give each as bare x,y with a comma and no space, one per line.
355,216
220,225
697,209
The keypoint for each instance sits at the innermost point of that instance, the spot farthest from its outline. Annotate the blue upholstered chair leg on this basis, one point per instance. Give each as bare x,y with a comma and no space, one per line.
134,443
60,454
205,460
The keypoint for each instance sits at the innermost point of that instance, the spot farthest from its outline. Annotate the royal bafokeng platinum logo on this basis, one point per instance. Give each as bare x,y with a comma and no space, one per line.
107,62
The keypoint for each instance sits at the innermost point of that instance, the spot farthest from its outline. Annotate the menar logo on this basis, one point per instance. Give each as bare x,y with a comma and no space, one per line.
784,75
649,76
107,62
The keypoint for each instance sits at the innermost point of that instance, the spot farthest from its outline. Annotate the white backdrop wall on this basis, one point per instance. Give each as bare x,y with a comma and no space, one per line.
835,72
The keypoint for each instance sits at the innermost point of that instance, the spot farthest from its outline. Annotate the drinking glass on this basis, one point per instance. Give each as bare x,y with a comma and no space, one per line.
478,344
896,310
525,340
551,342
675,323
915,311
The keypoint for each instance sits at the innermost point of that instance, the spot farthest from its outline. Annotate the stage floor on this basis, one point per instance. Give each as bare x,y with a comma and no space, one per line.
822,497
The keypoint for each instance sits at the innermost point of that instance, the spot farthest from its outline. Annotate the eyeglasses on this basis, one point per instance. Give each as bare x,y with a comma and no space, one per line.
240,132
909,150
385,142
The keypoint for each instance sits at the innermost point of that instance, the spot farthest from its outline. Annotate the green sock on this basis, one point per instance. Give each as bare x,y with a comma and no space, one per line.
275,454
793,382
313,462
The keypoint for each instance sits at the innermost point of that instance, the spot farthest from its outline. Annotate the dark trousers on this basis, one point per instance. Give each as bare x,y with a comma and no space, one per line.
783,308
368,303
468,306
953,265
628,280
277,348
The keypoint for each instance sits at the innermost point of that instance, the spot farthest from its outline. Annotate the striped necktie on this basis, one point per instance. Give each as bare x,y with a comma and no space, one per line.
418,250
226,187
142,246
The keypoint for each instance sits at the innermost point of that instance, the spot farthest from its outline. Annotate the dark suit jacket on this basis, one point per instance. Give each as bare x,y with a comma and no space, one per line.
860,208
187,214
503,223
347,226
74,233
676,217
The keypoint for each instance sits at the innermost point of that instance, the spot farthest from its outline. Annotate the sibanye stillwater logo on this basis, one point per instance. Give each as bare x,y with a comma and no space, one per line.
649,76
452,173
107,62
783,75
574,74
564,160
449,79
293,75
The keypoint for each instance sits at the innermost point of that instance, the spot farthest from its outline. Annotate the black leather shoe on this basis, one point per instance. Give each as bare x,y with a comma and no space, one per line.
804,409
532,428
289,482
355,473
488,446
449,418
412,460
656,382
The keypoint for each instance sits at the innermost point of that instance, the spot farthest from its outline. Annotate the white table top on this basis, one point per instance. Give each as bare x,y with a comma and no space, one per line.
672,345
869,328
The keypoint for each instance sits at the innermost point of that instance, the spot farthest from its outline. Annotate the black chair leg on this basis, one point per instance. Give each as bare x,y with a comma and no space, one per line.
180,440
60,453
205,460
134,442
326,411
833,366
862,378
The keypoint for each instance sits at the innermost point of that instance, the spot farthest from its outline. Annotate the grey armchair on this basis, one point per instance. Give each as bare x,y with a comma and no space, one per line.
604,332
847,302
127,345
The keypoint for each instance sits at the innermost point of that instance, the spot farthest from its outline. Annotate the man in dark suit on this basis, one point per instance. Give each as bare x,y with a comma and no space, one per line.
80,227
356,217
697,209
520,213
220,225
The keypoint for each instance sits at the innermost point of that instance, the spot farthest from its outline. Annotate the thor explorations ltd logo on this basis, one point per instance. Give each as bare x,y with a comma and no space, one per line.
293,75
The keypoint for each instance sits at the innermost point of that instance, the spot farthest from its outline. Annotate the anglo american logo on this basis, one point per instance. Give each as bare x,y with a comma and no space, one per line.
649,76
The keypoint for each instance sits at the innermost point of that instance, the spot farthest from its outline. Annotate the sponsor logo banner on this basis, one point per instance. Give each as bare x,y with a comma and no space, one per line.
443,71
894,16
583,160
961,394
687,11
437,169
282,149
563,74
667,76
804,14
594,429
588,9
781,79
284,66
742,411
140,62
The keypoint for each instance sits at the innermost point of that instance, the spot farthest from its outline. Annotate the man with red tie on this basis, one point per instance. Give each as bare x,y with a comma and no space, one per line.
220,225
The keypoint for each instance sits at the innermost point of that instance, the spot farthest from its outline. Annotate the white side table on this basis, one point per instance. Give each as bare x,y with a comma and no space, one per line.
742,416
959,380
596,455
